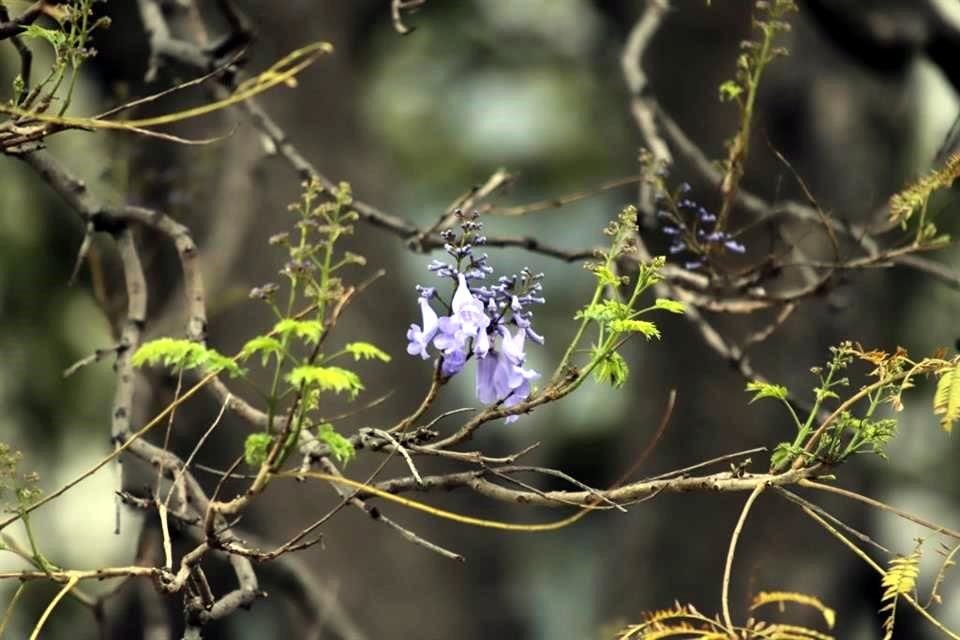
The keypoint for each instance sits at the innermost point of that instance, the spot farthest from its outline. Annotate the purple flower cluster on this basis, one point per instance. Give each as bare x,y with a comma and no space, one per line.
479,320
692,229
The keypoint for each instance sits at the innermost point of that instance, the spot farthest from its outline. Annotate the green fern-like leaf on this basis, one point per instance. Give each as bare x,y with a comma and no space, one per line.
255,448
766,390
55,37
612,370
606,277
672,306
946,401
265,346
341,448
180,355
307,330
333,379
366,351
646,329
605,311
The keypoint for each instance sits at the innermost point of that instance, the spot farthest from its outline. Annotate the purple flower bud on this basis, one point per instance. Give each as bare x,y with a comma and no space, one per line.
735,246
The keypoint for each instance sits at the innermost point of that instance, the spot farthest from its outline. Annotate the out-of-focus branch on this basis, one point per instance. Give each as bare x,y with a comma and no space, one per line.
397,7
117,221
10,28
26,56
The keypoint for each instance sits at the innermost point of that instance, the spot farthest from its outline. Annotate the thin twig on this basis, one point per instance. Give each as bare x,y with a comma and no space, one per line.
728,566
853,495
792,497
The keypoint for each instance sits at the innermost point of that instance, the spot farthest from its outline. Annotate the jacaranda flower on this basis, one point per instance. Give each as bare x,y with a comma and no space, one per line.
691,229
478,320
420,337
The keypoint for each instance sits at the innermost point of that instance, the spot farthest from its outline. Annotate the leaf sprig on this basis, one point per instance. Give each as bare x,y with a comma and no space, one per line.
614,313
855,424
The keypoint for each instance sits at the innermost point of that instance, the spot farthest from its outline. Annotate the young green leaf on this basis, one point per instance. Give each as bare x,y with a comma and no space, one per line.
341,448
605,311
366,351
730,90
782,454
180,355
333,379
307,330
55,37
612,370
265,346
255,448
666,304
647,329
606,277
766,390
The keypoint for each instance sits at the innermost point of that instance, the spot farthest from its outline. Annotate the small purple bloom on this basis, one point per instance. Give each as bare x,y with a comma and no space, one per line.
735,246
686,218
481,345
520,394
453,362
501,374
420,337
468,310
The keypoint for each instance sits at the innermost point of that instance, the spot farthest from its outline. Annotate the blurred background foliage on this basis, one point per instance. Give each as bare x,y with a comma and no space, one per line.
533,86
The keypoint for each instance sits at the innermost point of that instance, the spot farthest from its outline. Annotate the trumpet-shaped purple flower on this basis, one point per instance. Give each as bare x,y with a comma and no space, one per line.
420,337
468,322
501,376
468,314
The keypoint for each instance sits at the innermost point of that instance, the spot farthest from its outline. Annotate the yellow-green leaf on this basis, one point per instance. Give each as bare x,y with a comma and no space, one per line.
333,379
265,346
180,354
766,390
307,330
666,304
366,351
946,401
648,329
